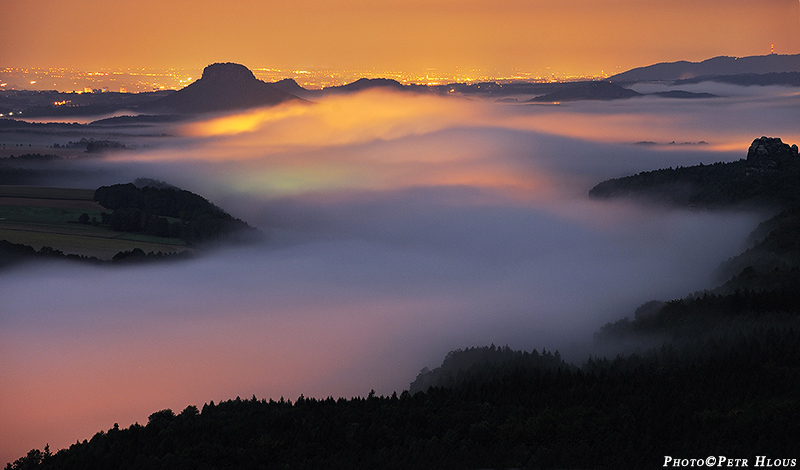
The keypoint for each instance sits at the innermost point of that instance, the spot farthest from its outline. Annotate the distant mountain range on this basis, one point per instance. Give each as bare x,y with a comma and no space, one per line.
230,87
290,86
717,66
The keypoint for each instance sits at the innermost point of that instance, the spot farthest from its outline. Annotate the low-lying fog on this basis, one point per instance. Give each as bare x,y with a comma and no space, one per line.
401,227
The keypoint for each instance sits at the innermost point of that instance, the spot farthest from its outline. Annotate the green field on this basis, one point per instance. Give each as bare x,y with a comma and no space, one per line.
40,216
45,215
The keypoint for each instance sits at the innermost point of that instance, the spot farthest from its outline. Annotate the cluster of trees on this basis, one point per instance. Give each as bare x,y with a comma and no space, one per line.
13,253
166,212
137,255
722,396
131,219
93,146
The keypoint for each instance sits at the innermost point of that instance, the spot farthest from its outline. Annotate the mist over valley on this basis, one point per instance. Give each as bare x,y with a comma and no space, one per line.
399,226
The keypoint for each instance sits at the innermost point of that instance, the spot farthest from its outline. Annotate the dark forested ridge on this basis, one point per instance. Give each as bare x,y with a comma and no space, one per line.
149,209
768,176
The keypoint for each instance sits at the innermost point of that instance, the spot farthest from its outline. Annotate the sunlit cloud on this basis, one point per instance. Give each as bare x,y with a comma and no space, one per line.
345,119
366,141
383,140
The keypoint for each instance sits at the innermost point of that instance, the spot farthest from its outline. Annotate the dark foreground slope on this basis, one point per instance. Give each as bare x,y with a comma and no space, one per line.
736,398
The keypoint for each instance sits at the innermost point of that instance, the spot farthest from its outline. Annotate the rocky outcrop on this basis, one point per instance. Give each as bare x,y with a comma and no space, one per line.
768,154
228,73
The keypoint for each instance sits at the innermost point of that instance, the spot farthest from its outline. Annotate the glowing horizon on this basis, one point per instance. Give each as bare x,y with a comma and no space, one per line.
575,37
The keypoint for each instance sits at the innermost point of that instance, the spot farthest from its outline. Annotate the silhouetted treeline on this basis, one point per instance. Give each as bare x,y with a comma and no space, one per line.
13,253
137,255
149,209
725,396
93,146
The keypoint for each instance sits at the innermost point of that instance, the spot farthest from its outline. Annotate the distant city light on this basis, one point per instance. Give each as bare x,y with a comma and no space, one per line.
140,80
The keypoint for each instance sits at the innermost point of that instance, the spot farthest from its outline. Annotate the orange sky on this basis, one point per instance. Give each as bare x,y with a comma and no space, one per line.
570,36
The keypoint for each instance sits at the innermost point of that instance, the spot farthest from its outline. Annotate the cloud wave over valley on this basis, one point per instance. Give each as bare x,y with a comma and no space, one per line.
400,226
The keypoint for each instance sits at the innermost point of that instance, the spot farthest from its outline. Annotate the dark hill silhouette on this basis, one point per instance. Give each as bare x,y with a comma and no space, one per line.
365,83
716,66
587,91
289,85
223,87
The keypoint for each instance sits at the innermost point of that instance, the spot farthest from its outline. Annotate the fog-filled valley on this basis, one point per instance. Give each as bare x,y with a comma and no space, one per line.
398,227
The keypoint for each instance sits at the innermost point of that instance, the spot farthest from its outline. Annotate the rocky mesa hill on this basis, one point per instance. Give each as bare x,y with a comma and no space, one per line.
223,87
